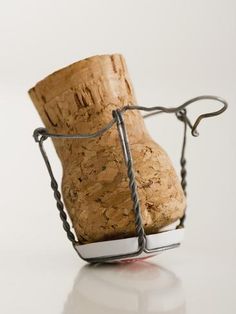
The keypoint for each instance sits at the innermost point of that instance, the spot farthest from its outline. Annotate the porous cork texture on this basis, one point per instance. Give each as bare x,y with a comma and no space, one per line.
80,99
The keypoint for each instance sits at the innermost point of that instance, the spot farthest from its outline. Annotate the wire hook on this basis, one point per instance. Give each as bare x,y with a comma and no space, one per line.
204,115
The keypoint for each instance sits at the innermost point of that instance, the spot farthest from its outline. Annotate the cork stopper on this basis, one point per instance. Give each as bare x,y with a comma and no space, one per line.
80,99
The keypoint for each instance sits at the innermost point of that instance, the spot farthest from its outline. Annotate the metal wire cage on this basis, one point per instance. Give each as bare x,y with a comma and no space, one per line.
139,245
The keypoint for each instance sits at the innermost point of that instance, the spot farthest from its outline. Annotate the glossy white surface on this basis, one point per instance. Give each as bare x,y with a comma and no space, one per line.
185,280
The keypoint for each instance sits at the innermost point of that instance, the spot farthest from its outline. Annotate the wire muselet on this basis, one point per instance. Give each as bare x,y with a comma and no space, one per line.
179,111
142,245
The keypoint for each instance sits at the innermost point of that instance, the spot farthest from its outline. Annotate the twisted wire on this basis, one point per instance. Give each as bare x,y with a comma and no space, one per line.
130,173
56,193
182,116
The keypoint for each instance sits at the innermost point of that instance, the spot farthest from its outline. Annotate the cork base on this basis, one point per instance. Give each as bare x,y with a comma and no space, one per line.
167,238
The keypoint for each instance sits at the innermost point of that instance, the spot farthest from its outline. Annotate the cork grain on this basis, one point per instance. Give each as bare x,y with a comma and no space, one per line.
80,99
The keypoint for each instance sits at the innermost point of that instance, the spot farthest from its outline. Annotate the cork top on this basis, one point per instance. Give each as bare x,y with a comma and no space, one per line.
80,72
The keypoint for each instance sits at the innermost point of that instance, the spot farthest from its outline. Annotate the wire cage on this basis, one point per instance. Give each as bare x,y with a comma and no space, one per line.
141,245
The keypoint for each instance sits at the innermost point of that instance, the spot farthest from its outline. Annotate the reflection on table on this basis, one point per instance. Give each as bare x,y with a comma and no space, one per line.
139,287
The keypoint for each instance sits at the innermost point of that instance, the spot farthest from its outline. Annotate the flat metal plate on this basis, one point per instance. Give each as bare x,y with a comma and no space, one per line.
167,237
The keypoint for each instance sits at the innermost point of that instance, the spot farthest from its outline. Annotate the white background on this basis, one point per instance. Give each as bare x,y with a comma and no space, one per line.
175,50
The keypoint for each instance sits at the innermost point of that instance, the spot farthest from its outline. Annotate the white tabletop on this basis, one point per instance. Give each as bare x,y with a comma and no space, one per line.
184,280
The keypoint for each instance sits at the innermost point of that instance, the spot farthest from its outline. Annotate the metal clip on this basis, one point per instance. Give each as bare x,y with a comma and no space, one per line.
40,134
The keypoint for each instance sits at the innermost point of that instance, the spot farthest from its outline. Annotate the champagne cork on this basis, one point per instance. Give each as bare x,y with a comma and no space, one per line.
79,99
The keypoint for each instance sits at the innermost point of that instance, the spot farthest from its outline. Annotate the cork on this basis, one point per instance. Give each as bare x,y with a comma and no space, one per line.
79,99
